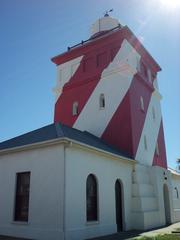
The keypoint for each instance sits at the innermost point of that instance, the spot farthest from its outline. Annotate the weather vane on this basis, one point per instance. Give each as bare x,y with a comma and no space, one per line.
106,14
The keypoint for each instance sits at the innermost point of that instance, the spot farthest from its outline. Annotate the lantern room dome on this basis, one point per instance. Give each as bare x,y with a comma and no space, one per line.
103,24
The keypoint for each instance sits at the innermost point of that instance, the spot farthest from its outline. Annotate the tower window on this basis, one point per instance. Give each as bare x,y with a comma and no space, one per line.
22,196
144,70
142,103
75,109
176,192
153,113
149,75
91,198
145,143
102,101
101,59
88,65
157,149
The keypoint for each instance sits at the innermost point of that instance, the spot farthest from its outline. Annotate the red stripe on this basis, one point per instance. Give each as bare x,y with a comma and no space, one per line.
125,128
160,160
83,82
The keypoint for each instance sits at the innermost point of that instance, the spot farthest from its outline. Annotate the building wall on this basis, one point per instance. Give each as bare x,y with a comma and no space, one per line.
161,177
46,193
81,163
176,196
55,215
148,205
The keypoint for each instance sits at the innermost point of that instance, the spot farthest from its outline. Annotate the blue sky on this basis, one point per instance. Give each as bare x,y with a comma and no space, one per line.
34,31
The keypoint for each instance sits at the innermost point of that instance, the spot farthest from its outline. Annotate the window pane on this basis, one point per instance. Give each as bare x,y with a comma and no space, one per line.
91,198
102,101
22,196
75,109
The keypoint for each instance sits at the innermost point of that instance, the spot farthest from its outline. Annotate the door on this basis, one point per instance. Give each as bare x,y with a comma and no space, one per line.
167,205
119,211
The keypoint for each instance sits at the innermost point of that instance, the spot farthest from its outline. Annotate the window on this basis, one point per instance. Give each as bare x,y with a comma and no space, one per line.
157,150
145,143
91,198
142,103
102,101
22,196
114,52
153,76
88,65
75,109
144,70
176,192
101,59
153,113
149,75
138,64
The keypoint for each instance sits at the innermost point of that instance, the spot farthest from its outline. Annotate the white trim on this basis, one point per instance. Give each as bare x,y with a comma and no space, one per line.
64,140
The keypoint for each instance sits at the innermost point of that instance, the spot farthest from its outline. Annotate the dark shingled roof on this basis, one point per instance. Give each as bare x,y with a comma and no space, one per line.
59,131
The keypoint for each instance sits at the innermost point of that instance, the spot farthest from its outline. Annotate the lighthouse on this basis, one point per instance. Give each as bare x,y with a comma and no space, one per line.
107,85
100,167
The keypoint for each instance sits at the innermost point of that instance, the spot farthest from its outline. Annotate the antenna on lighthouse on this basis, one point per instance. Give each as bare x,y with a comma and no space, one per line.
106,14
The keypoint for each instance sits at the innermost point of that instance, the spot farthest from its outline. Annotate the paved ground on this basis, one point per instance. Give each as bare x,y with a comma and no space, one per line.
136,234
11,238
125,235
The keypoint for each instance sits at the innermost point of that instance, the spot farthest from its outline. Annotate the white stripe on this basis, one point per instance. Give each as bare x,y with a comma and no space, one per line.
64,72
151,131
114,84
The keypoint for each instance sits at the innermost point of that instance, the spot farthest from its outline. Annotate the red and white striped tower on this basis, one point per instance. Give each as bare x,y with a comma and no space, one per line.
107,85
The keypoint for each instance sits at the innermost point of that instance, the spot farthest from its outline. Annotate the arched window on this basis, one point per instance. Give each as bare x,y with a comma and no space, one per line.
91,198
102,101
75,109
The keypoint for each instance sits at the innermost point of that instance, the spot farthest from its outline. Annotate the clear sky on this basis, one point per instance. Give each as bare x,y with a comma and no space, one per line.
31,32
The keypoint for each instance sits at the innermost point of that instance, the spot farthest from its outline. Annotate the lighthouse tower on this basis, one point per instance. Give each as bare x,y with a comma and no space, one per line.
107,86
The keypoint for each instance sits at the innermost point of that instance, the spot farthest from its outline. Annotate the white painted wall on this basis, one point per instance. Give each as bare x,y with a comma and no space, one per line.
159,177
103,24
81,163
150,130
176,200
116,79
148,210
64,72
46,193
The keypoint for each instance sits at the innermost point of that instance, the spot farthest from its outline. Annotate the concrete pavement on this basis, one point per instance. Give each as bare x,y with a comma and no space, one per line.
126,235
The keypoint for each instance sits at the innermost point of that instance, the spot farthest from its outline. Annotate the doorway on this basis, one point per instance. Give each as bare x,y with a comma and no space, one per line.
119,205
167,205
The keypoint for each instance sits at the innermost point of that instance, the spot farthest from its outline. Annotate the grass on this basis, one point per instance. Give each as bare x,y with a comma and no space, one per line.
161,237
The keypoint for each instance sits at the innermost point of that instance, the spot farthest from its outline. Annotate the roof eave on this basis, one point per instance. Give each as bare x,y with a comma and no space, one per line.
63,140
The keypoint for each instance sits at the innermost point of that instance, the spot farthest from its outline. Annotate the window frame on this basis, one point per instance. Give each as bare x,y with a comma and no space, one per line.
157,150
142,104
177,192
144,70
153,113
17,216
102,102
75,109
145,143
92,217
